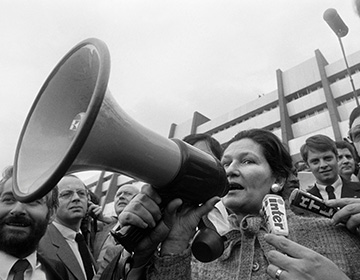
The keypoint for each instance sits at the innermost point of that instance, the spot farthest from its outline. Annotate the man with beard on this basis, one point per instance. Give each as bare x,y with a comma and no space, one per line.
63,240
21,227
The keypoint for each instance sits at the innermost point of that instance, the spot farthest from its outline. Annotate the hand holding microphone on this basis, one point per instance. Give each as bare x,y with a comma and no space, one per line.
348,213
294,261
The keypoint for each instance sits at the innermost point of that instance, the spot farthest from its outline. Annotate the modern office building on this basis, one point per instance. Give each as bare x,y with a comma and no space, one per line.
314,97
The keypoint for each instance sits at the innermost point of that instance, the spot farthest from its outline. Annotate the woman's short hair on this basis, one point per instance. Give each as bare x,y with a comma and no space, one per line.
274,151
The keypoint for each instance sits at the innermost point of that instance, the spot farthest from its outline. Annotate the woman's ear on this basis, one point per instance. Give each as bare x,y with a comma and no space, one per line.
278,185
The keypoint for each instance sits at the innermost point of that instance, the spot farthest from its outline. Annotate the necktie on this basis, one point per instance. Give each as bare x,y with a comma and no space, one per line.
85,255
19,268
330,191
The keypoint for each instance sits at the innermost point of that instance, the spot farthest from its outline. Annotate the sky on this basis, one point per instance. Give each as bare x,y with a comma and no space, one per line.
168,58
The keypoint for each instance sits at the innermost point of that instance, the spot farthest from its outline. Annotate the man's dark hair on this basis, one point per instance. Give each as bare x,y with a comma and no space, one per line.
214,145
346,145
353,115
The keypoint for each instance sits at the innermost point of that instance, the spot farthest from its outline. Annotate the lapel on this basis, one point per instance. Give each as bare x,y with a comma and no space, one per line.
54,270
315,191
100,239
64,252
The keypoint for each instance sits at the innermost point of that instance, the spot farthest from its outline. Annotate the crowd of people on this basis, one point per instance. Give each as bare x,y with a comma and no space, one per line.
44,239
65,236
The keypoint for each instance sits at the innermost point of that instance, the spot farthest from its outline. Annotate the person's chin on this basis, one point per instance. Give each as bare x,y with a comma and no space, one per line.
347,170
77,210
78,214
234,192
326,177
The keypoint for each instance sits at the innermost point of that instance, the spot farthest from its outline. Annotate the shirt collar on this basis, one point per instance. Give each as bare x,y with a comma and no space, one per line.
7,261
68,233
336,184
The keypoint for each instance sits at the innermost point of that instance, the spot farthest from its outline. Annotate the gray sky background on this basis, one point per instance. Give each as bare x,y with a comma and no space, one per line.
168,58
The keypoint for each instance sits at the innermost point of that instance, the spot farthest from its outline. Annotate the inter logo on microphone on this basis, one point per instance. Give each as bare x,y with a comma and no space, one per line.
275,215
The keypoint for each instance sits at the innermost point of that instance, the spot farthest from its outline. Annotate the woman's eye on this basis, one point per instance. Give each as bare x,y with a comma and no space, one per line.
246,161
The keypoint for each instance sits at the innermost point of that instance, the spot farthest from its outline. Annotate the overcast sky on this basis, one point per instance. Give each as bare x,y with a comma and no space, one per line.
168,58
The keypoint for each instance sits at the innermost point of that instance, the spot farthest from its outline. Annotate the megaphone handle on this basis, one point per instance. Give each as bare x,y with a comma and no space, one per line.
129,236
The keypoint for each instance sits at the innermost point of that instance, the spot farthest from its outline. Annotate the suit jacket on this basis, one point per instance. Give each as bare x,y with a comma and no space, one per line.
349,189
54,246
109,268
100,238
54,270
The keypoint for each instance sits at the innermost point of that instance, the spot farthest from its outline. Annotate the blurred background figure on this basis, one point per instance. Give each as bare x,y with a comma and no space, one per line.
89,224
291,183
205,143
346,161
357,6
103,238
210,145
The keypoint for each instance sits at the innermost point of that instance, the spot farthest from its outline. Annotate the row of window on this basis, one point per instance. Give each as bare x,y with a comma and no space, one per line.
295,96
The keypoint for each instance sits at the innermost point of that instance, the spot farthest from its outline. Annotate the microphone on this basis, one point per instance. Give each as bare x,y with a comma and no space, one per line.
335,22
312,203
273,207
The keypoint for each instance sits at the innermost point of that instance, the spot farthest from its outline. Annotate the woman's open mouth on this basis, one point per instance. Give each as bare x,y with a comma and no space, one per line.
235,186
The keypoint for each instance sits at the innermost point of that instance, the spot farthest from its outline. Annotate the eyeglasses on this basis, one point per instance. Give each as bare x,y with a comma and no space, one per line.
354,134
68,194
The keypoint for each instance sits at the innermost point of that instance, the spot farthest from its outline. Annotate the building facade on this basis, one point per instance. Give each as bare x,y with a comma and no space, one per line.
314,97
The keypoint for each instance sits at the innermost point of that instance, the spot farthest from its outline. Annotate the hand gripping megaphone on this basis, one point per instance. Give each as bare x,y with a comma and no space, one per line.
75,125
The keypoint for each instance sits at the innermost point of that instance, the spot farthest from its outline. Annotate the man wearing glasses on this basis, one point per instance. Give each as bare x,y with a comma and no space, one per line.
63,240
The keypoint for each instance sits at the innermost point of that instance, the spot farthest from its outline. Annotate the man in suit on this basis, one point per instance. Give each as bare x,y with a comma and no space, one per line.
21,227
105,246
320,154
103,238
62,240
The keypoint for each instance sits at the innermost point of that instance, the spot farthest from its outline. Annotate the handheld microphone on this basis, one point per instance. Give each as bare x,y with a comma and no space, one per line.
273,207
312,203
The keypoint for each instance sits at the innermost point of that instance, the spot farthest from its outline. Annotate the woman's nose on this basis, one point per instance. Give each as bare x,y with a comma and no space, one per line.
232,169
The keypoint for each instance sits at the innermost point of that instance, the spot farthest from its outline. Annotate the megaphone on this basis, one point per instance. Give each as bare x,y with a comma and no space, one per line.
75,125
